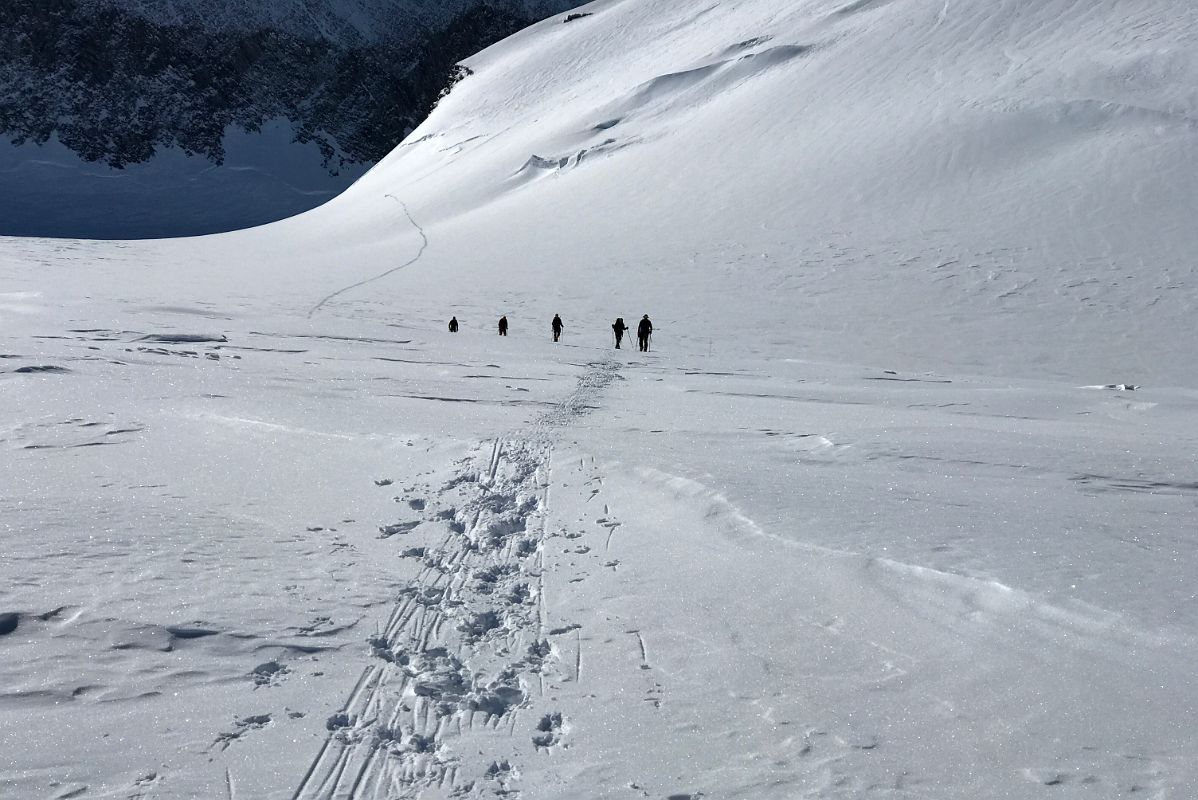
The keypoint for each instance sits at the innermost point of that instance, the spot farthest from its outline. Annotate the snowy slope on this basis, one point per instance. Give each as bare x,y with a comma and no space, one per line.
974,176
879,516
991,169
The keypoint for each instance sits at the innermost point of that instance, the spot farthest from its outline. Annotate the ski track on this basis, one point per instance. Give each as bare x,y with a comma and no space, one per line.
381,275
463,650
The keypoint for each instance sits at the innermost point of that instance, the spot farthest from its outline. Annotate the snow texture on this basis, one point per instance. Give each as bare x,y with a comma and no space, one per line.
901,504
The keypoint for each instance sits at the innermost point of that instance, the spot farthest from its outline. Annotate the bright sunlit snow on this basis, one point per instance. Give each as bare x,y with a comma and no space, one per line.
901,504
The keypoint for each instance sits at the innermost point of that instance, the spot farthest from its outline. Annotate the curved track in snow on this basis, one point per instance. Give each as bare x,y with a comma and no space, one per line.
381,275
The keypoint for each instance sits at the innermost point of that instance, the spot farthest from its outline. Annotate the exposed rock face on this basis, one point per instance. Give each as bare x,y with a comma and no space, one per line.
118,83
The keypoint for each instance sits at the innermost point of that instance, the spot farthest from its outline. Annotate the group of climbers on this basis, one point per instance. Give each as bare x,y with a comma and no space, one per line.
644,330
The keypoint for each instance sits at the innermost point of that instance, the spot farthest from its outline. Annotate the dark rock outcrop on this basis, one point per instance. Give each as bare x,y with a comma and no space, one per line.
118,88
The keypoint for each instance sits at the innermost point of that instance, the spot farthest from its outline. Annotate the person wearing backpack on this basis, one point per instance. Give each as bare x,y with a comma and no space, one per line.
619,328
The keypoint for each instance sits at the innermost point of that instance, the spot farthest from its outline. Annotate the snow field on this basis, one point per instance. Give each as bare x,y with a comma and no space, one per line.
880,515
619,593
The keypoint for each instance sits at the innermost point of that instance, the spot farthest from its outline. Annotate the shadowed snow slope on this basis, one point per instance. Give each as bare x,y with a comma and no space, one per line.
900,505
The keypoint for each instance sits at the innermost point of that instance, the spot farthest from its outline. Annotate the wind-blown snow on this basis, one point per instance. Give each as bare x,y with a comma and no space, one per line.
901,504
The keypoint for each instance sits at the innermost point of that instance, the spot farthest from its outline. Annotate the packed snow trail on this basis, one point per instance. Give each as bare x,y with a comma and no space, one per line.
453,698
458,653
380,276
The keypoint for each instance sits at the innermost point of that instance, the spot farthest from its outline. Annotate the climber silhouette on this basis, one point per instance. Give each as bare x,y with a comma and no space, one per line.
644,333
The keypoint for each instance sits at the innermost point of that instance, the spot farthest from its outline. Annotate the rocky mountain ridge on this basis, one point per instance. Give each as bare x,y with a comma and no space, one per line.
117,84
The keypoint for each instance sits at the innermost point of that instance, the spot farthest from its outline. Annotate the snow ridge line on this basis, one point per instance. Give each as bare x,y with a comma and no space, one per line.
381,275
460,663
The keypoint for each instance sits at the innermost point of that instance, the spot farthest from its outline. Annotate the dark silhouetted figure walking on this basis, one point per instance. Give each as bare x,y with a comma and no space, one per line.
503,326
644,333
557,327
453,325
619,327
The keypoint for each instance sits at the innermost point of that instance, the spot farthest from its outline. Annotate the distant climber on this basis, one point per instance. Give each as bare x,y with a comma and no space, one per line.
619,327
557,327
453,325
644,333
503,326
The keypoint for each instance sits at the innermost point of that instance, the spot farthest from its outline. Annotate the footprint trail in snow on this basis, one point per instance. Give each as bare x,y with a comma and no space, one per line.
454,695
